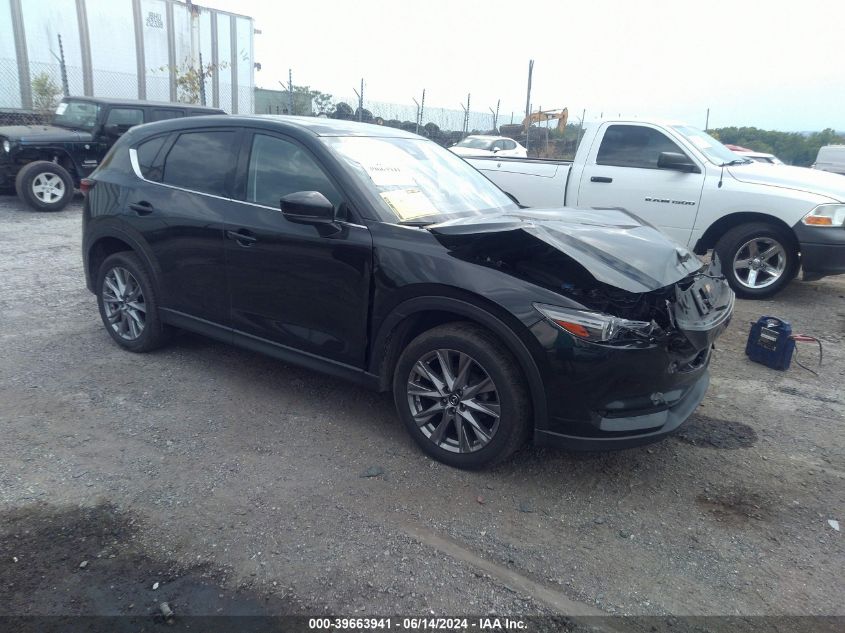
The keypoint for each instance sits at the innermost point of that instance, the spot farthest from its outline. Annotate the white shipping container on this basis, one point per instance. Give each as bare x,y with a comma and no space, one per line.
131,49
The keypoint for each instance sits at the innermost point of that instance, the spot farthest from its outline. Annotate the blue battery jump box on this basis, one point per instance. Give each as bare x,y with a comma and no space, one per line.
770,343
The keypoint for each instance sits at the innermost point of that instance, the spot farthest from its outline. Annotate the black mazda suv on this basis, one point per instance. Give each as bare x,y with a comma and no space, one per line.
376,255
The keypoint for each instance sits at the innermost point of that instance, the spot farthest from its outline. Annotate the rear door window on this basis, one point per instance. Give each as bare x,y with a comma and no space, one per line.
634,146
125,117
162,114
201,161
278,167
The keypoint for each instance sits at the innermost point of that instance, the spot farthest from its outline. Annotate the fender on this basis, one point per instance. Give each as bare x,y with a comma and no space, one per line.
475,313
48,152
108,228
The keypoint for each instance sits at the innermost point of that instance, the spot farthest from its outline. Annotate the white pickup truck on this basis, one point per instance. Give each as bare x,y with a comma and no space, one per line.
764,221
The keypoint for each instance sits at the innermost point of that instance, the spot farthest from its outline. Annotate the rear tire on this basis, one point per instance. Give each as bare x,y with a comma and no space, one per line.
758,258
128,304
485,408
44,186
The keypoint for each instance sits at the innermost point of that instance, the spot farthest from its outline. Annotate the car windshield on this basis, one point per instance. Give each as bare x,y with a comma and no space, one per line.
712,149
414,181
474,142
76,115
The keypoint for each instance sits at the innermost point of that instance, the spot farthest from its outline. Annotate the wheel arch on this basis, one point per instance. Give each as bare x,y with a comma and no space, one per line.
419,314
724,224
104,243
57,155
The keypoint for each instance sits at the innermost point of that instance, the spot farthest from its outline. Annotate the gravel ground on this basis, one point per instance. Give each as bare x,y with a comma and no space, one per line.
236,482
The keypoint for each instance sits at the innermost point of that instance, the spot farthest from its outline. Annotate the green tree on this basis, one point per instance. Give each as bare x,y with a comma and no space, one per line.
322,102
45,94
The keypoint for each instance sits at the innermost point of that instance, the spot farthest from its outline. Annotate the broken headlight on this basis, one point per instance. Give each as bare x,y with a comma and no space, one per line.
595,327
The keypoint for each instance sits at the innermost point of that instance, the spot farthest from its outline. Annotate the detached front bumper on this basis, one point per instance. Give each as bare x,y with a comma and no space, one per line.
822,250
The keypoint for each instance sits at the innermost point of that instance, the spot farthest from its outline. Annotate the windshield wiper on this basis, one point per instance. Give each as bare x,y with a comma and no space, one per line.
737,161
415,222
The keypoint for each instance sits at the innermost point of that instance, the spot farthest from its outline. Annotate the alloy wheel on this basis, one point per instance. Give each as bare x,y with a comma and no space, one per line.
124,304
759,262
48,187
454,401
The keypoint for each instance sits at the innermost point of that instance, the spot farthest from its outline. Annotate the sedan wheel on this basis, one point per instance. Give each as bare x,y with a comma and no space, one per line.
454,401
760,262
123,302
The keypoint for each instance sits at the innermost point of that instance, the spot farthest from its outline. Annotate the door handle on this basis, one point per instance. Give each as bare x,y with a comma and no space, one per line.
600,179
141,208
242,237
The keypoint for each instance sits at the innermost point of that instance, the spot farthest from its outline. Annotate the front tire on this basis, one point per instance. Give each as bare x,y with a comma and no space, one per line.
128,304
462,396
44,186
759,259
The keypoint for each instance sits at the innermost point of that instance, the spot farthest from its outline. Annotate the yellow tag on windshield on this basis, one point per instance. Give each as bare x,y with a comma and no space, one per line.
409,204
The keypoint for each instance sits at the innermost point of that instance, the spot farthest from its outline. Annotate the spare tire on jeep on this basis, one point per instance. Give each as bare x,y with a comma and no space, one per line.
44,186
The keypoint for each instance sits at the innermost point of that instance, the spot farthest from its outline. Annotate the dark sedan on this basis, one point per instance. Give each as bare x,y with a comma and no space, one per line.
376,255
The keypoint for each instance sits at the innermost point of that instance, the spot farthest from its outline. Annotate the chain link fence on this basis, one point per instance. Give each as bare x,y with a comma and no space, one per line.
442,125
35,104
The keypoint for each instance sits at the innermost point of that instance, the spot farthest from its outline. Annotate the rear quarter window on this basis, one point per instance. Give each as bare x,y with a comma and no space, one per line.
201,161
150,157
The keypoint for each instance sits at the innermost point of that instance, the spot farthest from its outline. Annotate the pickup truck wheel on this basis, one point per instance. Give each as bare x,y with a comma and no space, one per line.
44,186
462,397
758,259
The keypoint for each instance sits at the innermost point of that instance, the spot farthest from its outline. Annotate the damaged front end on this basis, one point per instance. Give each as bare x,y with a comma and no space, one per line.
629,329
625,281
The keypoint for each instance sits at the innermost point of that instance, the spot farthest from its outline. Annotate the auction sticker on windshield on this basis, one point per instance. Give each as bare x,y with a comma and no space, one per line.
389,175
409,204
60,109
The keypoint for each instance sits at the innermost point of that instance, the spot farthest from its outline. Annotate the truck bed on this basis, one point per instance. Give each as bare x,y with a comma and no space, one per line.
535,182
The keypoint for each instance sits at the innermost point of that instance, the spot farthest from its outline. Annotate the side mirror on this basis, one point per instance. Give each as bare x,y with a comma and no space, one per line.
677,161
496,150
307,207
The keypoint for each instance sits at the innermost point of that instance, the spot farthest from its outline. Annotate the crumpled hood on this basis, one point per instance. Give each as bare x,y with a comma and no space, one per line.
42,133
798,178
613,245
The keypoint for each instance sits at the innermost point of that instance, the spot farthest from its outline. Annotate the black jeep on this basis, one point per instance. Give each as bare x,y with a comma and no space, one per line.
44,163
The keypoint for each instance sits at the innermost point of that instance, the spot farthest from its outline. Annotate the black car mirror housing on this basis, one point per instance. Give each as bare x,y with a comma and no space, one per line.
307,207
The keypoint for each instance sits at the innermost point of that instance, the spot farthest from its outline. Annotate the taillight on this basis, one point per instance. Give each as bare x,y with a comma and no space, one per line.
86,185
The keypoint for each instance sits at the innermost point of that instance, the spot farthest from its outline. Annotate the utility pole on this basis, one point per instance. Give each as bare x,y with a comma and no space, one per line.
422,106
466,117
580,128
290,91
528,102
707,120
495,115
63,68
414,99
360,100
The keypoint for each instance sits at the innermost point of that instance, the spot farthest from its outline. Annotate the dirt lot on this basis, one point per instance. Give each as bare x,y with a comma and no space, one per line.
237,482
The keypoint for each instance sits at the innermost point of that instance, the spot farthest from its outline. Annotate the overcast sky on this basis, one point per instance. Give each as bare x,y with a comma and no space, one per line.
776,64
